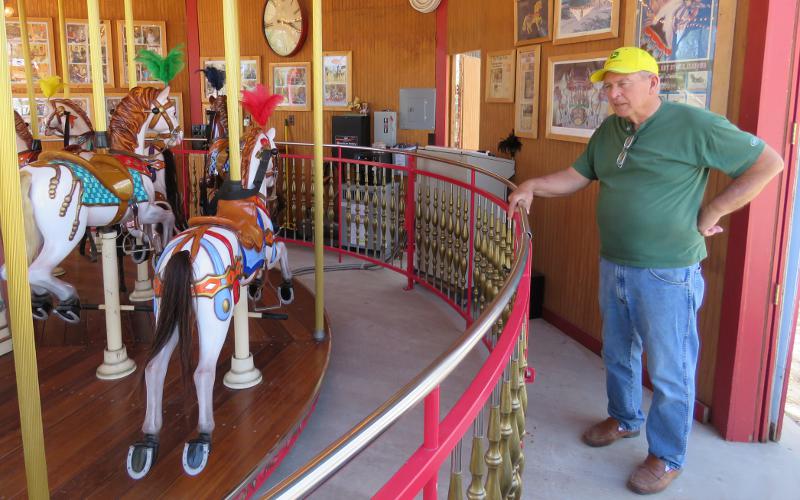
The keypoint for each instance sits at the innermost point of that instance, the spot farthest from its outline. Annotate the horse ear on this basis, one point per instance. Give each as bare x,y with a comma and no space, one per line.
271,134
163,95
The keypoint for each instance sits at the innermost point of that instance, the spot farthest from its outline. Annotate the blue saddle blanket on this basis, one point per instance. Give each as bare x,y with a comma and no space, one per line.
95,193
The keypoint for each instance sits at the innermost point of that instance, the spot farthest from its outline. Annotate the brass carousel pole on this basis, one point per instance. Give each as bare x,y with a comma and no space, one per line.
130,44
26,54
319,190
243,373
62,45
19,304
116,363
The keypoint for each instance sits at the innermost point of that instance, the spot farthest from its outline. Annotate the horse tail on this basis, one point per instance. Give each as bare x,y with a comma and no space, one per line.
33,238
175,310
173,190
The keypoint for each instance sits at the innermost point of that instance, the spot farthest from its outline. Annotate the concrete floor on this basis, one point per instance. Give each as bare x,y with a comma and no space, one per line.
382,336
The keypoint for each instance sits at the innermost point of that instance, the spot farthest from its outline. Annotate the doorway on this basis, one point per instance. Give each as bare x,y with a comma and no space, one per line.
465,101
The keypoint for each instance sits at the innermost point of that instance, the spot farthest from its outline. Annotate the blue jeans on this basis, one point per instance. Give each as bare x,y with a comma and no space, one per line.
654,310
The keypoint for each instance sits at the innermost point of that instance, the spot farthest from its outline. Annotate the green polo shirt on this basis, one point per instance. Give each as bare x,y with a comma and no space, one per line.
647,210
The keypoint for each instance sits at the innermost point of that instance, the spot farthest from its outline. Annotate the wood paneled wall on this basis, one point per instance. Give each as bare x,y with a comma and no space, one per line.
565,237
173,13
392,45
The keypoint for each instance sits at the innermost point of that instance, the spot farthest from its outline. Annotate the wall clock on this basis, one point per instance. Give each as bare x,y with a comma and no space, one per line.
284,26
425,6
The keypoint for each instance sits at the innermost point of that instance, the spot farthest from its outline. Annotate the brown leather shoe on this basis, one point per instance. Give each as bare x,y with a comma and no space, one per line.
606,432
652,476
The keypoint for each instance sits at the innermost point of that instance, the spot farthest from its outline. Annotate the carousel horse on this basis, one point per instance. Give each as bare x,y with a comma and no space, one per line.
198,278
63,193
216,167
69,121
25,152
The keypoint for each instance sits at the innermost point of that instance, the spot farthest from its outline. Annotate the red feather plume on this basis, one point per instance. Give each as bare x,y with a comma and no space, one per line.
260,103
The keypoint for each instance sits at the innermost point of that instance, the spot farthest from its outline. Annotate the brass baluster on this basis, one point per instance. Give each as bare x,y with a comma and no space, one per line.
477,275
293,171
506,482
427,238
450,242
373,205
434,235
331,199
456,489
442,238
477,467
493,457
284,162
517,456
458,292
523,367
393,233
385,219
401,216
465,250
360,208
348,207
303,213
420,249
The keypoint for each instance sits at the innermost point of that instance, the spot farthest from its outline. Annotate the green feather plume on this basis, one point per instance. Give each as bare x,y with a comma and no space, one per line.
162,68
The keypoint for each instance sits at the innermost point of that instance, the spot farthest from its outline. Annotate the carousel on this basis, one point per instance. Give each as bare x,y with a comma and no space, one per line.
121,421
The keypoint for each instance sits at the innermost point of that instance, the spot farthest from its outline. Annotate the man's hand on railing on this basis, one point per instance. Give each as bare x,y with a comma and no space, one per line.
522,196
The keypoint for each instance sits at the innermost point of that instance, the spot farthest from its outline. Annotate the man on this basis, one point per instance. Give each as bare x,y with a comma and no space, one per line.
652,159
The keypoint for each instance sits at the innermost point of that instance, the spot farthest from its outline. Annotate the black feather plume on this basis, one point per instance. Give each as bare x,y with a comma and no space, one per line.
215,77
510,145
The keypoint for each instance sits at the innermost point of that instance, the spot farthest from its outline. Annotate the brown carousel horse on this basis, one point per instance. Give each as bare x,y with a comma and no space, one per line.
25,152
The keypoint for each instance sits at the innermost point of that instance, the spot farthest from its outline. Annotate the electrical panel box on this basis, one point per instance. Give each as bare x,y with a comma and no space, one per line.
417,109
384,128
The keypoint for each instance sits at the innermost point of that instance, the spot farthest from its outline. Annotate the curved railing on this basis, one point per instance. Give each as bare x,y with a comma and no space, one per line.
449,235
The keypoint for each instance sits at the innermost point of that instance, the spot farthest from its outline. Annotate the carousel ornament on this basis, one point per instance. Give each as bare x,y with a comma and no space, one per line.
425,6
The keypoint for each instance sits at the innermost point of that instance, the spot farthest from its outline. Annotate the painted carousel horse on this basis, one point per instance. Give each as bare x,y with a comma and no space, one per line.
198,278
64,193
25,152
68,120
216,167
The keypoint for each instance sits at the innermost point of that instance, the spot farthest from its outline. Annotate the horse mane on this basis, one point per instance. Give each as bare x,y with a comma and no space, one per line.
220,106
129,116
74,107
23,132
249,139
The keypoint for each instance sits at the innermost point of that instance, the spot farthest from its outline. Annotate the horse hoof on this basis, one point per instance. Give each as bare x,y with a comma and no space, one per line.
195,454
286,292
58,271
141,456
69,310
42,306
254,290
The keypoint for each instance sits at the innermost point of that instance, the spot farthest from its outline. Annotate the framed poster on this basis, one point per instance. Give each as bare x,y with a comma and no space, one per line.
250,74
150,35
78,67
526,104
337,80
692,40
533,21
40,41
293,82
113,99
585,20
20,104
500,68
575,105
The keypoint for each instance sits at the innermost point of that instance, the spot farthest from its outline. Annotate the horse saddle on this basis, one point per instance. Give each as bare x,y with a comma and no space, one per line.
239,216
108,170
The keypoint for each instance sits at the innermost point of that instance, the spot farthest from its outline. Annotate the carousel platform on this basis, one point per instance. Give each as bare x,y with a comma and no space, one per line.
89,423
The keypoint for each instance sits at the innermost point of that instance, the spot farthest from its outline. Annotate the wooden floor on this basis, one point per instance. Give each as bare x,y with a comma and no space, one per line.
89,423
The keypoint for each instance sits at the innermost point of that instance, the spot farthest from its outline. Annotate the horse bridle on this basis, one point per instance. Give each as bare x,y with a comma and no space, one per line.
60,112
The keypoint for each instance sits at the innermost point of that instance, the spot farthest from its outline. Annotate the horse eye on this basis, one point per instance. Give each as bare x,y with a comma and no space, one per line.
155,111
274,151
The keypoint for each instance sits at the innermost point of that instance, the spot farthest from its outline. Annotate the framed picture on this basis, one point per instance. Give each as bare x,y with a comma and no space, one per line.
533,21
40,41
20,104
293,82
113,99
337,80
500,67
526,107
250,73
150,35
691,43
78,67
585,20
575,105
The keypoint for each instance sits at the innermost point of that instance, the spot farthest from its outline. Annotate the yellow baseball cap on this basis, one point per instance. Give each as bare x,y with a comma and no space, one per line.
626,60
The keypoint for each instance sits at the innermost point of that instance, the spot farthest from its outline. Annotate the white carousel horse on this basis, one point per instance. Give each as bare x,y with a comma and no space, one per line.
70,122
198,277
65,193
